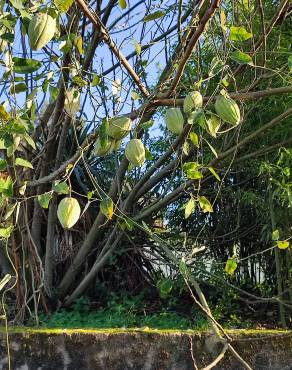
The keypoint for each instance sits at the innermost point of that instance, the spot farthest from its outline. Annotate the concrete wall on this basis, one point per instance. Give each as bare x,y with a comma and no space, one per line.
139,350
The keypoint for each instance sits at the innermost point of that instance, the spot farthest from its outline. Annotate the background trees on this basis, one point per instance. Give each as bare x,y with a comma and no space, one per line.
222,187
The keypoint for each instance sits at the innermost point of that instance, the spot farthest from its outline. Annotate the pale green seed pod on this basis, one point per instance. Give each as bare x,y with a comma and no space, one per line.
227,109
119,127
192,101
68,212
102,151
135,152
174,120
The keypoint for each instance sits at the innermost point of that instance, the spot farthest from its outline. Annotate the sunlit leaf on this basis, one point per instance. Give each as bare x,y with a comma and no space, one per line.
189,207
239,34
205,205
214,173
4,115
61,188
96,80
240,57
63,5
194,138
6,232
107,207
24,66
44,199
283,244
23,163
156,15
230,266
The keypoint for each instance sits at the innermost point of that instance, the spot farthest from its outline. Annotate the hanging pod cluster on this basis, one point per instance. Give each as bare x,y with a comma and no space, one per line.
68,212
118,128
41,30
135,152
227,109
192,102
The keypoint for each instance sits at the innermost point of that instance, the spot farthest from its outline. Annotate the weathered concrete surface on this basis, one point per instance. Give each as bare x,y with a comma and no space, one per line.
140,350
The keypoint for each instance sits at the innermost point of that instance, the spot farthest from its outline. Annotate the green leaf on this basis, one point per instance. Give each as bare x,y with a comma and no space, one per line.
165,287
230,266
183,267
214,173
147,125
148,154
6,232
126,224
54,92
123,4
156,15
138,47
239,34
213,124
107,207
241,58
30,141
96,80
282,244
191,169
18,88
23,163
63,5
44,200
24,66
3,164
6,186
212,149
135,95
290,63
17,4
189,207
194,139
205,205
61,188
275,235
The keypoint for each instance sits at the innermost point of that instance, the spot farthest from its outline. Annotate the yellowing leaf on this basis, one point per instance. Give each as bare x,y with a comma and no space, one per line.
79,44
189,207
23,163
230,266
205,205
63,5
6,232
123,4
239,34
107,207
194,139
154,15
282,244
214,173
3,114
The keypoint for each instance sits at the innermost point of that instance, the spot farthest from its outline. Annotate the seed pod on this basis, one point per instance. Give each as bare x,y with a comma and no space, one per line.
135,152
192,101
174,120
227,109
102,151
68,212
119,127
41,30
72,101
